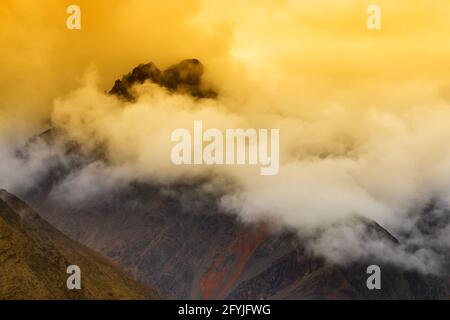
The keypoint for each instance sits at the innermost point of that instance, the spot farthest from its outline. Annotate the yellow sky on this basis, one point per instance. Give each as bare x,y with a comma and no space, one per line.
320,49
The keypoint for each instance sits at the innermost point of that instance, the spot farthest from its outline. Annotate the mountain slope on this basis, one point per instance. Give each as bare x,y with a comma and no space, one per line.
34,258
200,252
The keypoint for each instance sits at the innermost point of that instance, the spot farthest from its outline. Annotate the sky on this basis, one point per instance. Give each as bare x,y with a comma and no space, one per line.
305,47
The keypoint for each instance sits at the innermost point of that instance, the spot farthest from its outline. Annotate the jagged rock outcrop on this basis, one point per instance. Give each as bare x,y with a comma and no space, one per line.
184,77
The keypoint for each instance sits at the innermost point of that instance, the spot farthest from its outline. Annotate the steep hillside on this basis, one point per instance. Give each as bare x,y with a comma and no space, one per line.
203,253
34,258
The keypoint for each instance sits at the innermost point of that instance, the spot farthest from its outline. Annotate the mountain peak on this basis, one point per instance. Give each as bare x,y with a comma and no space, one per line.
184,77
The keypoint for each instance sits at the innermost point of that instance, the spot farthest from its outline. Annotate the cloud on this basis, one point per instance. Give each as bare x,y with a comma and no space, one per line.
385,167
350,241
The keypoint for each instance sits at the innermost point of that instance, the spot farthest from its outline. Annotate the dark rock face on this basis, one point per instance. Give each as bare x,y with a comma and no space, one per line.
197,251
299,275
34,257
153,236
184,77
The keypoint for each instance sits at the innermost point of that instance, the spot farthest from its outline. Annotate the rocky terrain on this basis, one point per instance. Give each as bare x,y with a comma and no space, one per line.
206,254
184,77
